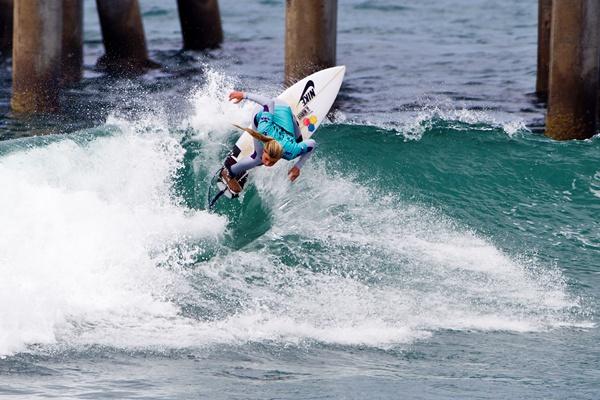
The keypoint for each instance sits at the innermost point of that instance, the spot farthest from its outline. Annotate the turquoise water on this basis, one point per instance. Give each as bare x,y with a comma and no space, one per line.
435,246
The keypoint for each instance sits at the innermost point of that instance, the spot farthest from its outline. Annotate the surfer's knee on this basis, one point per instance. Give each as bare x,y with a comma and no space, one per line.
311,144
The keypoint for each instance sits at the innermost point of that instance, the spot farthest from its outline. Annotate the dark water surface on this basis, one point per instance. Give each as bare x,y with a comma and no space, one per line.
436,246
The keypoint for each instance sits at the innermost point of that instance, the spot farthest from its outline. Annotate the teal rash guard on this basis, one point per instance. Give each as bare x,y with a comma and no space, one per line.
276,121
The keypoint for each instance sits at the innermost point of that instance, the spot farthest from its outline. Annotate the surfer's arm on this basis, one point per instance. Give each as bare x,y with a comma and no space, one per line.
267,103
308,147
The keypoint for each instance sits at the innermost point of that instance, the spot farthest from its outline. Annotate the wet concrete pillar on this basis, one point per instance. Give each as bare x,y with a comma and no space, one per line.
200,24
36,55
6,27
543,55
123,37
574,72
310,38
72,39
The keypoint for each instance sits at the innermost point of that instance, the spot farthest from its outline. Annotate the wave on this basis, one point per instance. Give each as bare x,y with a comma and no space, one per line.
103,245
432,113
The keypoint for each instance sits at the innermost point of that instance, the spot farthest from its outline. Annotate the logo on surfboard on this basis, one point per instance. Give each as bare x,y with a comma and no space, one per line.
308,93
310,122
303,113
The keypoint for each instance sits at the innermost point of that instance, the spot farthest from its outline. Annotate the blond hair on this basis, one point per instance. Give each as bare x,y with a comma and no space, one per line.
272,146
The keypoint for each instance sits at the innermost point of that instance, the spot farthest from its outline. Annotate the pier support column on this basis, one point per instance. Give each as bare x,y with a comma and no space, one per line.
36,55
72,39
574,72
123,37
310,38
6,27
543,55
200,24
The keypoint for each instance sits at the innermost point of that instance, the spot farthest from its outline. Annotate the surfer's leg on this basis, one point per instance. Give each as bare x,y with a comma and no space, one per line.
249,162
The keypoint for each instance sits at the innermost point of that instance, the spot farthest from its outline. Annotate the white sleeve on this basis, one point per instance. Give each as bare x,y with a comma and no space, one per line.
267,103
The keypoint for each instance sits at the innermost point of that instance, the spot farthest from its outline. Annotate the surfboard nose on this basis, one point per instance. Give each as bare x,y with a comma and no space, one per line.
337,69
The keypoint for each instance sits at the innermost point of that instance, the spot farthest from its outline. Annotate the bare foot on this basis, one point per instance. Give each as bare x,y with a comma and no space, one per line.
232,183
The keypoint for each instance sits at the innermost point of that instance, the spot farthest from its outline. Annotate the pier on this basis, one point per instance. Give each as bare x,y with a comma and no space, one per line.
38,32
72,42
45,41
48,42
568,69
123,37
6,27
200,24
310,37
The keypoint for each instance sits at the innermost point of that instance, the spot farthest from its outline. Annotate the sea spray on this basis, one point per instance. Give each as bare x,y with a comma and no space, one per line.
81,217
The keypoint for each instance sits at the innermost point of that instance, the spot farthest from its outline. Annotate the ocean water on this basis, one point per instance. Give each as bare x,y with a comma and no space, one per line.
436,246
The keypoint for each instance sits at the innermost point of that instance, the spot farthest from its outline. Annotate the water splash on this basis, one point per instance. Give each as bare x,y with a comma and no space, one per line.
80,223
413,123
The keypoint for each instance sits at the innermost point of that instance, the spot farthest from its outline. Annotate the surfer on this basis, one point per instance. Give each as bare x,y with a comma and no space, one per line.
276,135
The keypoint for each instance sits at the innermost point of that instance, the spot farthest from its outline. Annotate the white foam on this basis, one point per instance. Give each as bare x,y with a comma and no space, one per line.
81,220
427,274
212,118
412,125
595,185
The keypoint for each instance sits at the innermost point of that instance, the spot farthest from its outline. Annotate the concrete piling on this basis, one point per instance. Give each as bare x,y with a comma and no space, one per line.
200,24
6,27
574,69
310,39
72,39
36,55
543,56
123,37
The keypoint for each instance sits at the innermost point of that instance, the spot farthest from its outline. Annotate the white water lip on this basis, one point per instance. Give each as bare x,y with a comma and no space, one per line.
81,220
595,185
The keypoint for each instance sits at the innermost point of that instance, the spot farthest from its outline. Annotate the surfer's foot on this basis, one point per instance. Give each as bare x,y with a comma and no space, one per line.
232,183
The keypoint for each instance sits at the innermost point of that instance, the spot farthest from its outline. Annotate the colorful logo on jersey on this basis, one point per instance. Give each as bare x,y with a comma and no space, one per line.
310,122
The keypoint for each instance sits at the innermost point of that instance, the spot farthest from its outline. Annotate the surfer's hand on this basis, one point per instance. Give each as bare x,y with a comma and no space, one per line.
294,173
236,96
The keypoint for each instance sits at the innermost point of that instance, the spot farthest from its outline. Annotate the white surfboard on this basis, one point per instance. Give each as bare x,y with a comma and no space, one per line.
310,100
